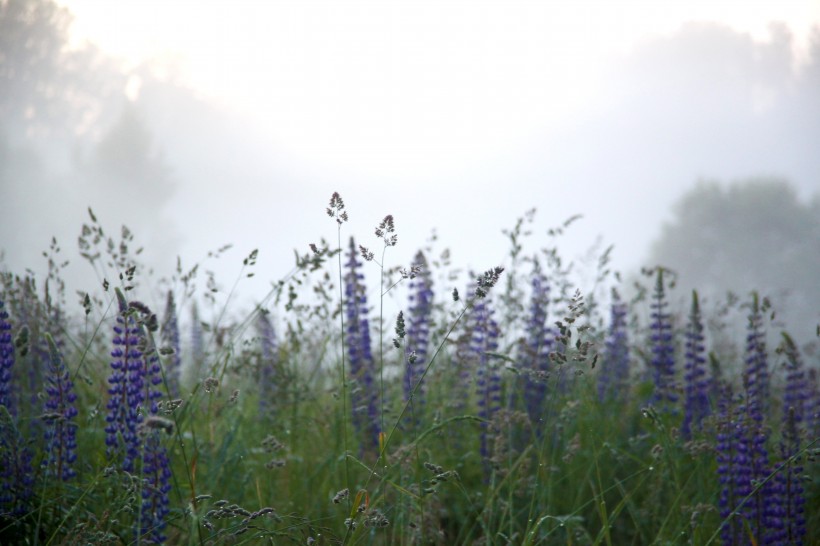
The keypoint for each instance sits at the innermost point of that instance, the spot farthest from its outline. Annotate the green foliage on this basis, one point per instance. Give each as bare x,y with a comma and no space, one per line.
587,472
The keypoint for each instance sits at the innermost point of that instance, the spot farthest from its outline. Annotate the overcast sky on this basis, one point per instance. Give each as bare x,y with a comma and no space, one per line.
457,116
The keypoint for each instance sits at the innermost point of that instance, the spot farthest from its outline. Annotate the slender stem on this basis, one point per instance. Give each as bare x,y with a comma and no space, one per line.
381,341
343,373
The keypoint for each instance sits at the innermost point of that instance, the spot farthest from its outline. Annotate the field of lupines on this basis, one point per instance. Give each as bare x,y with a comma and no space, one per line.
500,407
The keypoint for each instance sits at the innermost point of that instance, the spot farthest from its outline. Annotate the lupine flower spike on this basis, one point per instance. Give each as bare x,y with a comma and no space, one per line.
696,383
614,375
60,411
357,336
663,345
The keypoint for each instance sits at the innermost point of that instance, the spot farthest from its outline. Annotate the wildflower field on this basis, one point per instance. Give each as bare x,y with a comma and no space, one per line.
362,403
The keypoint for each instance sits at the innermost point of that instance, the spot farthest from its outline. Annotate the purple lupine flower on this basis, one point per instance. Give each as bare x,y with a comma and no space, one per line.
151,375
126,387
696,382
29,312
418,329
6,360
267,365
756,369
536,348
156,476
789,522
60,411
762,509
16,472
764,504
734,468
484,334
170,338
156,471
796,396
364,395
613,378
135,380
663,346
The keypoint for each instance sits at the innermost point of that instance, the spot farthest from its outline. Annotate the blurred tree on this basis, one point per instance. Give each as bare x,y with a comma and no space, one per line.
46,87
126,167
69,131
755,234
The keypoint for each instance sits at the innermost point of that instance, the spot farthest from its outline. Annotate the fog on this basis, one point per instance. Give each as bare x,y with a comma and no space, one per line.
454,138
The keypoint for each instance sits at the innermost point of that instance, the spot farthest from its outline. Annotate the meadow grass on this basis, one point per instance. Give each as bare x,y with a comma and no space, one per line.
509,407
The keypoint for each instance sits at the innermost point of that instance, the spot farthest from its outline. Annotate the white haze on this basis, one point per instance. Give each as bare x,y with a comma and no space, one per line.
453,117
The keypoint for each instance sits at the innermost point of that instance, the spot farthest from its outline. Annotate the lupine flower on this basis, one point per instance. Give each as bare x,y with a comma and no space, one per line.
796,397
743,466
30,312
60,411
6,359
364,396
663,345
16,472
170,339
614,374
789,522
756,370
418,330
267,365
484,333
135,379
696,383
156,472
537,347
126,387
734,468
156,475
763,507
761,511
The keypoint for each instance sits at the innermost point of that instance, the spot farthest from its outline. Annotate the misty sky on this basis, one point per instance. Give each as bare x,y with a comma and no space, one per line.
458,116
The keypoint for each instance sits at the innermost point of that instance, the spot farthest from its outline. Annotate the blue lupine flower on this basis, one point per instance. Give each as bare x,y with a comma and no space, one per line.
135,390
6,360
613,378
484,334
60,411
537,346
364,395
696,382
127,386
663,345
170,338
418,329
267,365
156,473
16,472
796,396
763,512
789,523
734,468
756,370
